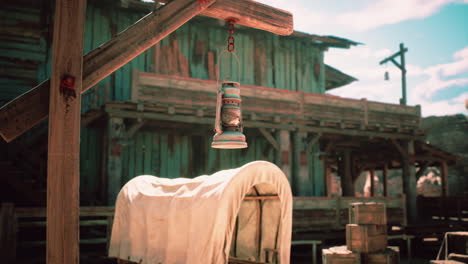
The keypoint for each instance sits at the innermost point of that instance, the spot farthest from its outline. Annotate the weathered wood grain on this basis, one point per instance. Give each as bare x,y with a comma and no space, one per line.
251,14
63,165
101,62
8,233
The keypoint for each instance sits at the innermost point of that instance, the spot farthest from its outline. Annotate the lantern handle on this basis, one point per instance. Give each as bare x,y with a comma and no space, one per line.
218,73
218,111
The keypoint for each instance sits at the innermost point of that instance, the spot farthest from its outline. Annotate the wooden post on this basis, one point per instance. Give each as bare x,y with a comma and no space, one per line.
327,177
347,179
103,177
444,178
409,181
304,186
284,155
7,233
372,182
385,179
402,67
63,176
116,132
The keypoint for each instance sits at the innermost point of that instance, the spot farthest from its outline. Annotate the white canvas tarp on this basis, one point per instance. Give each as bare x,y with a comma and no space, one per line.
179,221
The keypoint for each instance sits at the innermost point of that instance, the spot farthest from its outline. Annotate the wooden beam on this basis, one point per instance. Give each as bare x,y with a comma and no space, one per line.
116,132
312,142
303,185
284,155
8,233
399,147
372,182
251,14
270,138
134,128
444,178
63,167
385,179
422,168
409,182
32,107
346,177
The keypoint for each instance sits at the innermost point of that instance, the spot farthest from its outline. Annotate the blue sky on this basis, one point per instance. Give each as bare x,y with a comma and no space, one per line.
435,32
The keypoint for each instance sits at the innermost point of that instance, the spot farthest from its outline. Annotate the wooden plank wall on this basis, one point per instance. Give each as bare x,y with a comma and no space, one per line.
267,60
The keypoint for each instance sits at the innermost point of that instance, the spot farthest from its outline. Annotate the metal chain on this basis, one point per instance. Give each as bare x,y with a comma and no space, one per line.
230,39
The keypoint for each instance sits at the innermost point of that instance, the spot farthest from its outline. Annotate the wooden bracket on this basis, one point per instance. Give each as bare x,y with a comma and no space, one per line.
422,168
134,128
329,147
399,148
312,142
270,138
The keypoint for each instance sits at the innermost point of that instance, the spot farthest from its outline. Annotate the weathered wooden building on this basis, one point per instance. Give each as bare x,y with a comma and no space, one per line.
155,145
155,114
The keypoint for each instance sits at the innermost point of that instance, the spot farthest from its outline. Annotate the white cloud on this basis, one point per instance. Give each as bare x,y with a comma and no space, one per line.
423,83
438,81
383,12
307,17
445,107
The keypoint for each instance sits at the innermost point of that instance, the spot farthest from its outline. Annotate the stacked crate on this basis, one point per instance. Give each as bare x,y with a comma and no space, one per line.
366,238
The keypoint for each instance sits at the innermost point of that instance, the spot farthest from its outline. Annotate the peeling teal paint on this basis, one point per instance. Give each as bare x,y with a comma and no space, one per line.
289,64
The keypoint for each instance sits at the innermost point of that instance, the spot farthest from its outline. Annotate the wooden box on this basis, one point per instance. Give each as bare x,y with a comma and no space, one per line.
391,255
366,238
368,214
340,255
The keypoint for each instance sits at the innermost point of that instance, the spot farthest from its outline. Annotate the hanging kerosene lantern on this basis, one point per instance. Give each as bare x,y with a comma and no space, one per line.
228,122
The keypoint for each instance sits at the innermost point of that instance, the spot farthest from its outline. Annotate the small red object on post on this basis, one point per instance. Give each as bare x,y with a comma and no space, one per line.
67,86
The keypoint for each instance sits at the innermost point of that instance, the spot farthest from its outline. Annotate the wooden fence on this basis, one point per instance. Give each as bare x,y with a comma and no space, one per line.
450,209
324,213
309,214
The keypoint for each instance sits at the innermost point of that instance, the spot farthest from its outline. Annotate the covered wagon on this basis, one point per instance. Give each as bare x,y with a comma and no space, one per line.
241,215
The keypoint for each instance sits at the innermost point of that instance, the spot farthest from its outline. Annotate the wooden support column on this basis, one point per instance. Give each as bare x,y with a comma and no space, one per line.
409,181
372,182
283,156
346,177
63,178
444,178
385,179
327,177
116,130
303,184
7,233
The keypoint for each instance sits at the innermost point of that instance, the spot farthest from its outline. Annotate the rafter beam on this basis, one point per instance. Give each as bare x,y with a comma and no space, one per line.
250,14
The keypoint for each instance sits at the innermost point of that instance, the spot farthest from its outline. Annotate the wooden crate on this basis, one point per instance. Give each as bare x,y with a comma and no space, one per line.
340,255
368,214
366,238
391,255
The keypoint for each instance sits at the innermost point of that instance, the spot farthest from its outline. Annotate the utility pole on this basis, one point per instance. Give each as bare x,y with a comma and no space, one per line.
402,67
